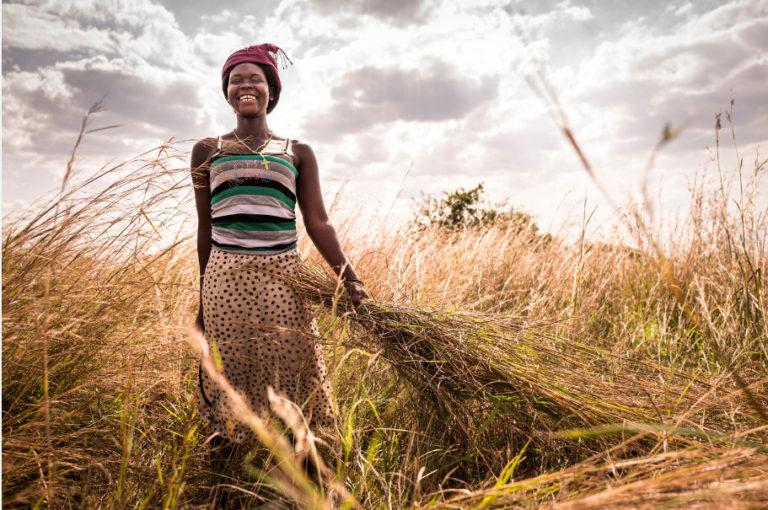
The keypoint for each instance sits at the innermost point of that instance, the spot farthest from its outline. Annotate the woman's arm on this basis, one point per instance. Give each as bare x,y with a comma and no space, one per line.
201,184
317,223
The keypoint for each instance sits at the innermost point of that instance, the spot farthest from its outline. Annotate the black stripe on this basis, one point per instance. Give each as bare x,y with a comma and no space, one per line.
253,181
250,218
255,250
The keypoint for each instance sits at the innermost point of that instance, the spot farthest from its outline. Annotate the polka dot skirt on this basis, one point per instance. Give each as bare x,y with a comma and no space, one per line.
266,336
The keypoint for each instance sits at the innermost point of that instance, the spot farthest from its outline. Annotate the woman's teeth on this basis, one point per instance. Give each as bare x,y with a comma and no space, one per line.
247,99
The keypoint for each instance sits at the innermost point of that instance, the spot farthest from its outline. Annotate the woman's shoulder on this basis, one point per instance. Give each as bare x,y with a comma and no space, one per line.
215,142
301,151
205,148
204,145
299,144
208,141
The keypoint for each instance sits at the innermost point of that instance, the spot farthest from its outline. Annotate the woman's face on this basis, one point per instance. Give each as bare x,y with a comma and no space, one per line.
248,90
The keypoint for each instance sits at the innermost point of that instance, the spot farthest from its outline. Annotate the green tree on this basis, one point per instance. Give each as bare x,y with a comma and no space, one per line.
462,208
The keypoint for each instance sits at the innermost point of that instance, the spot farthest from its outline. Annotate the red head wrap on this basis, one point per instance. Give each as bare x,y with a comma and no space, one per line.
266,54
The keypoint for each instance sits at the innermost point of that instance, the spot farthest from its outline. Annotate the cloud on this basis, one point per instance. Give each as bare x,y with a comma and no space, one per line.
682,10
194,17
547,16
34,27
380,84
54,98
370,96
136,28
399,12
684,74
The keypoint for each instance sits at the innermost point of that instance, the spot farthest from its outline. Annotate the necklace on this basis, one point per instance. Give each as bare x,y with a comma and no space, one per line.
257,151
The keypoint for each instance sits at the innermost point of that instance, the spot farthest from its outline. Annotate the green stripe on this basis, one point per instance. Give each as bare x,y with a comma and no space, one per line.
257,157
258,226
253,190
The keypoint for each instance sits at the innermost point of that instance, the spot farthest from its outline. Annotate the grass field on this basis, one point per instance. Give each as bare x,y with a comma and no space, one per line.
491,368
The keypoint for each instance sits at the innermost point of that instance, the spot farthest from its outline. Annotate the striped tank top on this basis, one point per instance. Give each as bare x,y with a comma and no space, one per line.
253,199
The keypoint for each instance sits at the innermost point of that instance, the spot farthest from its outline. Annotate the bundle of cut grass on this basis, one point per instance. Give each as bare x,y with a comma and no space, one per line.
496,382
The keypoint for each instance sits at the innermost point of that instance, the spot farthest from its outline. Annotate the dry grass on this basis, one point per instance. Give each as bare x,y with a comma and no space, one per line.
490,369
694,478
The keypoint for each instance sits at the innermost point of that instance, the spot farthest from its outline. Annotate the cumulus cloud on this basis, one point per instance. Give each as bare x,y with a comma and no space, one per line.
59,58
379,85
32,27
369,96
548,17
123,28
686,74
401,12
58,95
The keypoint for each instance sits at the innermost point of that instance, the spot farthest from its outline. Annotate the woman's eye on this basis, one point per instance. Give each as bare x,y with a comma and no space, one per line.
238,80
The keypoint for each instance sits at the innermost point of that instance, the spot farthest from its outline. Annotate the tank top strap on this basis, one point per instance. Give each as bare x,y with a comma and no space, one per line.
217,153
276,147
288,148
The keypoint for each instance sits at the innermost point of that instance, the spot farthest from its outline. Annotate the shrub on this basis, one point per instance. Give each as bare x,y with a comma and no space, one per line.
462,209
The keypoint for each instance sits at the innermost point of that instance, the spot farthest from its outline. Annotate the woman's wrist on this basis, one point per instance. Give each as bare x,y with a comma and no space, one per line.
347,274
351,279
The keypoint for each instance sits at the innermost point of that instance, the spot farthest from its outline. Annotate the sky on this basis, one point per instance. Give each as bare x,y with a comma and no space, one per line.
399,98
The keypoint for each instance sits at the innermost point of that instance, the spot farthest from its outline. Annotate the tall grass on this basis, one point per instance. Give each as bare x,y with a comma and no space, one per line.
490,369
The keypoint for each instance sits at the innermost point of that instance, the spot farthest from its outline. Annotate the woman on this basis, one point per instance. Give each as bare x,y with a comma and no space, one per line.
247,183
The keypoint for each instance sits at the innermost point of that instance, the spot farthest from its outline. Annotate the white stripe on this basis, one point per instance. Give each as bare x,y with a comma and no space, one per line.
254,209
250,204
245,238
220,175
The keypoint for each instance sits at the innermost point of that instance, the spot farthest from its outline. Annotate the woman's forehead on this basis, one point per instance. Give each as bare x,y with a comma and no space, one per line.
246,68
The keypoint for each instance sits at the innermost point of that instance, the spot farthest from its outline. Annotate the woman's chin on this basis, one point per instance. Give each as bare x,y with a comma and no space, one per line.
251,114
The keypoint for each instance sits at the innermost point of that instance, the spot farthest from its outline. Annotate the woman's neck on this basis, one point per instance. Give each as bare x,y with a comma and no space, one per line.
252,127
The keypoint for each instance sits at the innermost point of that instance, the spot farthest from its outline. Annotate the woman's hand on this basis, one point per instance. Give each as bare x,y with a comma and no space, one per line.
356,292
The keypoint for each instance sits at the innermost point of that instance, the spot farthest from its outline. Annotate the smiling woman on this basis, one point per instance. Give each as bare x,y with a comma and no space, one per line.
247,184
